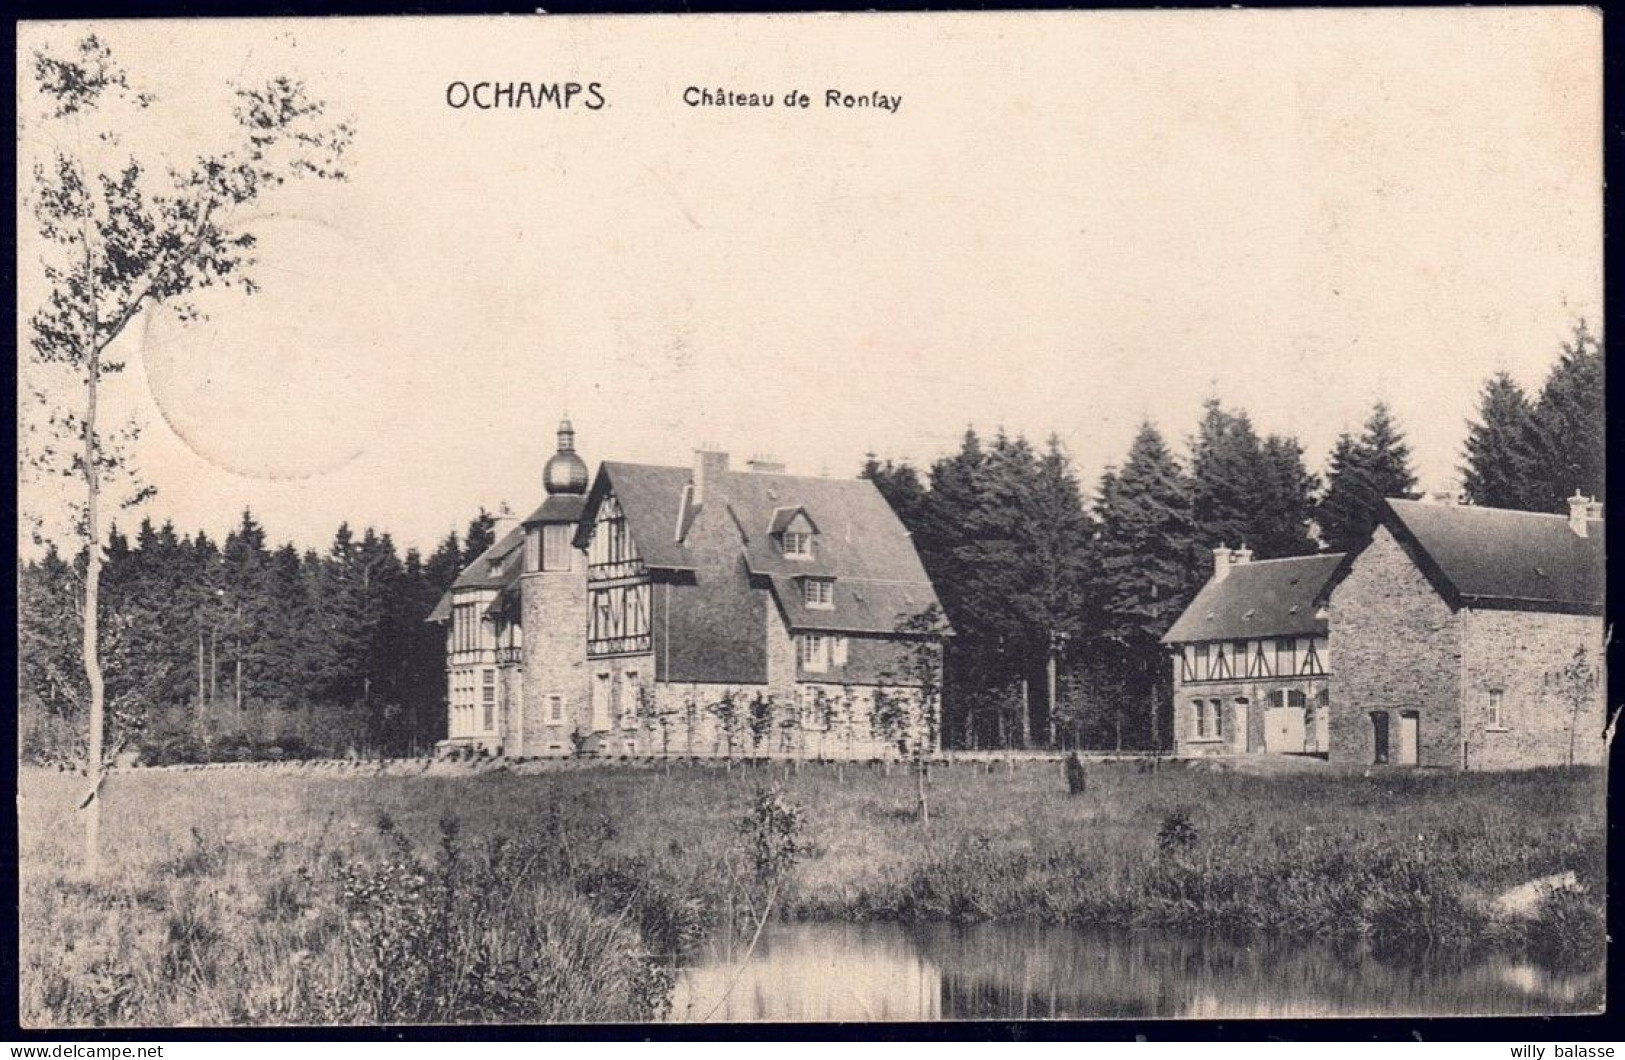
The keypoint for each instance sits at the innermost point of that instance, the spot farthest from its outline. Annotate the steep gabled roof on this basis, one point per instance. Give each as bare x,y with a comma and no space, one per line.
505,553
1499,558
509,557
783,517
651,496
1264,598
880,581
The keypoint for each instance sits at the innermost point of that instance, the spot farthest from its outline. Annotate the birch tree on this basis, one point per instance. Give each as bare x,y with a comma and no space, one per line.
121,236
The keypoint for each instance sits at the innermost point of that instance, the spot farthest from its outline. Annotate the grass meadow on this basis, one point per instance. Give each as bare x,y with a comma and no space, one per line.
294,896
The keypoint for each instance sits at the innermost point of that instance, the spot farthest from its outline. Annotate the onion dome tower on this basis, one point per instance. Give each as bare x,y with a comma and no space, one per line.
565,472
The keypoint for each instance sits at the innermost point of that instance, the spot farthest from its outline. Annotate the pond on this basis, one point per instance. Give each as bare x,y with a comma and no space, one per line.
847,972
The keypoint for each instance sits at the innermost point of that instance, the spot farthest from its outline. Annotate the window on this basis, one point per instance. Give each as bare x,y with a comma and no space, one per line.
1238,653
1286,650
556,547
555,710
797,544
1199,718
837,651
1261,662
631,695
1217,725
609,551
1310,664
814,653
533,549
488,698
618,620
1496,714
600,702
1201,662
819,593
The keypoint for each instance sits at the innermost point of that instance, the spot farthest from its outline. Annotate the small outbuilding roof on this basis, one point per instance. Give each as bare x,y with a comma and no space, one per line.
1499,558
1263,598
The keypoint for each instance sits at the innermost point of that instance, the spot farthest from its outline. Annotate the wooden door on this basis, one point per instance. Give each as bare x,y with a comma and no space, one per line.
1409,723
1238,730
1379,737
1283,730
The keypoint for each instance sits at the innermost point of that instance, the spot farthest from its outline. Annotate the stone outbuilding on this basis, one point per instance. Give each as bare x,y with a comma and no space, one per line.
1471,638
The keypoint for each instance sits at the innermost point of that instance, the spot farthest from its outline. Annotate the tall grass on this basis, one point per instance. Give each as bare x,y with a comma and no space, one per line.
258,897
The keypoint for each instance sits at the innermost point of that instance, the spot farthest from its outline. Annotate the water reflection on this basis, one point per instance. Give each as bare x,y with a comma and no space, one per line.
841,972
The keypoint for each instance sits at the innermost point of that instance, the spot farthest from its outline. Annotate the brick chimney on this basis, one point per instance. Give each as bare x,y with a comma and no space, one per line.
1221,563
764,465
1579,511
709,465
504,520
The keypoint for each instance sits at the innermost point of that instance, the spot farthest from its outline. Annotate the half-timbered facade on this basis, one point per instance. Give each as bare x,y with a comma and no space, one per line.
696,611
1252,659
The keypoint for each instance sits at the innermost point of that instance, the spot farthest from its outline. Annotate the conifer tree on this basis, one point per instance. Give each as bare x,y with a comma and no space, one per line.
1246,490
1503,454
481,535
1147,564
1361,474
1569,422
902,487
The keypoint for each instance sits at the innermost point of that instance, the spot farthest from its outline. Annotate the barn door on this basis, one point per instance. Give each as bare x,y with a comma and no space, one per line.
1283,730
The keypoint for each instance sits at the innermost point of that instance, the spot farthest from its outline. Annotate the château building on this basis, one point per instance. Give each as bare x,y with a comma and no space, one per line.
700,610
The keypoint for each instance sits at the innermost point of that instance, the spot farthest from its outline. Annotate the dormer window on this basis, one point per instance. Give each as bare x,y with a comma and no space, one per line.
818,593
797,544
793,529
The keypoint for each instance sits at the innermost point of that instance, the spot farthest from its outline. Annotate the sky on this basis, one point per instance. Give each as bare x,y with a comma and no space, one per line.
1072,222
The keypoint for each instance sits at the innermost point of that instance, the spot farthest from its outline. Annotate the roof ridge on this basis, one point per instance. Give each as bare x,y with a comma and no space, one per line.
1289,559
1483,508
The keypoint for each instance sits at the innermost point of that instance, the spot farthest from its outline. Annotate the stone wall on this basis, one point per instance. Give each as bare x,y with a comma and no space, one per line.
554,610
693,719
1522,655
1256,693
1398,648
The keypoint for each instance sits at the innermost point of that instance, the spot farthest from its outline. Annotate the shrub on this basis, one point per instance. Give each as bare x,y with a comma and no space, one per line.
476,936
1177,831
1568,930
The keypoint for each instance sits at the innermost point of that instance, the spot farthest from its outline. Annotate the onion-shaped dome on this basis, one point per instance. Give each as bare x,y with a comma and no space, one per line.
565,471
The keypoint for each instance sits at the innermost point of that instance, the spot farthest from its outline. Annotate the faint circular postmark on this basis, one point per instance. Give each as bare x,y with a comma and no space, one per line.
293,380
